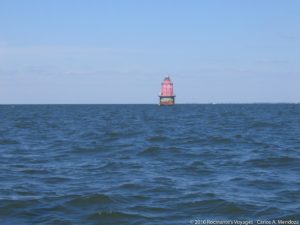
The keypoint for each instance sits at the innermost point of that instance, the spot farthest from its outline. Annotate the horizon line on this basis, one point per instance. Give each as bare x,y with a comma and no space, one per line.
204,103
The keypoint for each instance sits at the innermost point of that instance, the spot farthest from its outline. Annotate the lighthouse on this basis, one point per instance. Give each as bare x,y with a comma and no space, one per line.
166,96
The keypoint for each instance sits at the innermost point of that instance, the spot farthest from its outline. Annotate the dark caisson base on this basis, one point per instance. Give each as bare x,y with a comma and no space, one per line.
166,100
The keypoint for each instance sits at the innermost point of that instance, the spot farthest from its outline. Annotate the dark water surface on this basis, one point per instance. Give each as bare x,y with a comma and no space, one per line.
145,164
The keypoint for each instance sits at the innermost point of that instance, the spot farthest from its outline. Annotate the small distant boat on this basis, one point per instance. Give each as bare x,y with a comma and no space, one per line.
166,96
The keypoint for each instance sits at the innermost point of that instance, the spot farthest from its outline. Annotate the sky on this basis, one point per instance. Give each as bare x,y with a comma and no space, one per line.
104,51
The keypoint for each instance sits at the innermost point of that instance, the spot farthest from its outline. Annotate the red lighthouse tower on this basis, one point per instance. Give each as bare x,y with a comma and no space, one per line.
167,96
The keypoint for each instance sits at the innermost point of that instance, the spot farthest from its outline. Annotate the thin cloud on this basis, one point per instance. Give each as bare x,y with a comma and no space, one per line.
290,37
271,61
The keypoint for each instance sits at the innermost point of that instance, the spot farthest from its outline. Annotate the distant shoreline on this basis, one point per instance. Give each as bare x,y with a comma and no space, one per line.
254,103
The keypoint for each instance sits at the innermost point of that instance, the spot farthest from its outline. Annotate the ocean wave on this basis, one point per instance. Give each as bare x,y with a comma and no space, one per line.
131,186
157,139
88,200
210,206
87,150
283,161
152,150
25,124
8,142
113,217
263,124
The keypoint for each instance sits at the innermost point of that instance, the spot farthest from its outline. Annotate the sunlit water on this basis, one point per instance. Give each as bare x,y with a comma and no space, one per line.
145,164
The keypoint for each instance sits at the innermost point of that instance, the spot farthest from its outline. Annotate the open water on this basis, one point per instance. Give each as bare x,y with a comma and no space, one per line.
145,164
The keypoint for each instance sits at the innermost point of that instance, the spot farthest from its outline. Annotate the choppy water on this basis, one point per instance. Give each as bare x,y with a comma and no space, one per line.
145,164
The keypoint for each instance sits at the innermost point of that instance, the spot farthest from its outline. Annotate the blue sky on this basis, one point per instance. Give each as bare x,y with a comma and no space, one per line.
71,51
